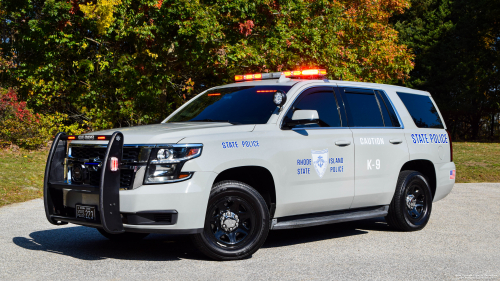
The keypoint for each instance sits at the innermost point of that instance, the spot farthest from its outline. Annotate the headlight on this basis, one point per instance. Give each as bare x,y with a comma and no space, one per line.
166,161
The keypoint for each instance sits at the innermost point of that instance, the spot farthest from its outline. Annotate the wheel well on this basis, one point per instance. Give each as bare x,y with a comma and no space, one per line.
426,168
257,177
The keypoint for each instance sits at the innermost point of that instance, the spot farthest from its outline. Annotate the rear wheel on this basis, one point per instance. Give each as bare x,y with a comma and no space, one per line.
236,223
123,237
411,205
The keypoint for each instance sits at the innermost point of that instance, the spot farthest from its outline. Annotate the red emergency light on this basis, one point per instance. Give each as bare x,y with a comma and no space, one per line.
303,74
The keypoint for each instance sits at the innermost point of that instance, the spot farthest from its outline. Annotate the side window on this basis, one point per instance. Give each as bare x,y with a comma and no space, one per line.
362,108
319,99
422,110
390,118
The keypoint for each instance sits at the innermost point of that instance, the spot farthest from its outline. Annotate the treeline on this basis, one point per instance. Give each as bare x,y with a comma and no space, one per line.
88,65
457,59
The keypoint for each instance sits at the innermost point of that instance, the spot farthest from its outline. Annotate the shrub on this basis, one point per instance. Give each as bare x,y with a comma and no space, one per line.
20,126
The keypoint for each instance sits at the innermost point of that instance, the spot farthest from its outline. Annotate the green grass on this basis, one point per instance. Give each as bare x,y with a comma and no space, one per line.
21,173
477,162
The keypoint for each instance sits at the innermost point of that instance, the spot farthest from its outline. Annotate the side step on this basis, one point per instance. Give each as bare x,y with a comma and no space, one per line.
329,217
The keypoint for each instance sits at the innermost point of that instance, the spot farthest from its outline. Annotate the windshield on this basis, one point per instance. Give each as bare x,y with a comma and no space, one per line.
236,105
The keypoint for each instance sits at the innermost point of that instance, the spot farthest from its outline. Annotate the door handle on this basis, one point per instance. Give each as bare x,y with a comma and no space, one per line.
342,143
396,141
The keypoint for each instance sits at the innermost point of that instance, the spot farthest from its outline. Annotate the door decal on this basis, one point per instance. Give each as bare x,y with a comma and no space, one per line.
320,161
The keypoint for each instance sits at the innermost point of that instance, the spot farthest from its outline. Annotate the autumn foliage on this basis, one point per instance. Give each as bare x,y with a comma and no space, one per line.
18,124
112,63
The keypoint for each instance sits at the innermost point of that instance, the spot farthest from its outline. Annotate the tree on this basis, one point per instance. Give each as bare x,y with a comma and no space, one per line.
121,63
457,59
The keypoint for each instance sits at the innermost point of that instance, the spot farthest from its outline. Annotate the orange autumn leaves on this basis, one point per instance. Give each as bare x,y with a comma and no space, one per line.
369,49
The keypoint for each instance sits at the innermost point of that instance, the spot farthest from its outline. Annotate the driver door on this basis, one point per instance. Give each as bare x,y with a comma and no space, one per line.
317,159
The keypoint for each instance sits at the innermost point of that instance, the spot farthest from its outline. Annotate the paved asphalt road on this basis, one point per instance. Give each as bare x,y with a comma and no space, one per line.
461,242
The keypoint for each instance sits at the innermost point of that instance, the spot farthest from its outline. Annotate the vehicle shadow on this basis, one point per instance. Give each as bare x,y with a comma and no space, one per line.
87,244
280,238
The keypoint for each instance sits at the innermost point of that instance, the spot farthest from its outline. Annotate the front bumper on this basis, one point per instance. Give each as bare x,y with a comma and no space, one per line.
160,208
185,201
189,198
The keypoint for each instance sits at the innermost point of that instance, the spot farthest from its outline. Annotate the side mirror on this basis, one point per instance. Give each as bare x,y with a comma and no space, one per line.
304,117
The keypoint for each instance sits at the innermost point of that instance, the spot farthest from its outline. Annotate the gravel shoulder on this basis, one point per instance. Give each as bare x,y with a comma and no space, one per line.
460,242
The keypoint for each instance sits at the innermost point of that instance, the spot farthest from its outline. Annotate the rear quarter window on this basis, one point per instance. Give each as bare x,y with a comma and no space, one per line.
422,110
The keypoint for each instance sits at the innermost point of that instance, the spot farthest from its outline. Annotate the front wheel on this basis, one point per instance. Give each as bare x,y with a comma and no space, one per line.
411,205
236,223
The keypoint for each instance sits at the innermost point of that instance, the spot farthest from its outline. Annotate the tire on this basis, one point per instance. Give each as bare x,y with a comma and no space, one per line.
123,237
236,223
411,205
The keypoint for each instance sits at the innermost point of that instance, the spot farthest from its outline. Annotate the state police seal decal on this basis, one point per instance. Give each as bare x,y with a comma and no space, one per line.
320,161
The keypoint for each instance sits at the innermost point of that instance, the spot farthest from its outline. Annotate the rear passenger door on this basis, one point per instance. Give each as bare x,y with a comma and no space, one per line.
379,144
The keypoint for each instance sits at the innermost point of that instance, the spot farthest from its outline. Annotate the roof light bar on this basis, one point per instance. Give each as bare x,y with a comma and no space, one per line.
257,76
305,74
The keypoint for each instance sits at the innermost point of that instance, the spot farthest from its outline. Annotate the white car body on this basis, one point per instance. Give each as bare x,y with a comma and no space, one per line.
361,170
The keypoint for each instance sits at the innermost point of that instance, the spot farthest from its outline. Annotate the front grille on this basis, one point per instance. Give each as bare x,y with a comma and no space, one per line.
126,178
130,156
95,177
88,152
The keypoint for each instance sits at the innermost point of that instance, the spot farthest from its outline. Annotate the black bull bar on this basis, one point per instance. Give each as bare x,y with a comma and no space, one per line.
108,189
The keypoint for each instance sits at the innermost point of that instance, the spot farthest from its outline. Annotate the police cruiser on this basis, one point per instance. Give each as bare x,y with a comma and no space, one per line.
271,151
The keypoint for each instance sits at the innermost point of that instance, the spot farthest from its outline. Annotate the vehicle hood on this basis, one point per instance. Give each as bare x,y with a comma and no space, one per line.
169,132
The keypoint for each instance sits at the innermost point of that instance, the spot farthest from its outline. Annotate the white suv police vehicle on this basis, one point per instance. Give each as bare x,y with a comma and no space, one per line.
272,151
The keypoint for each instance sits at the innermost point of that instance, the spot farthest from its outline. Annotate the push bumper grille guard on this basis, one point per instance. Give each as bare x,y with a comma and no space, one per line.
108,189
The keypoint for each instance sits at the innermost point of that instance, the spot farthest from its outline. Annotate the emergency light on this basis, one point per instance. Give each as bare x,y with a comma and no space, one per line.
303,74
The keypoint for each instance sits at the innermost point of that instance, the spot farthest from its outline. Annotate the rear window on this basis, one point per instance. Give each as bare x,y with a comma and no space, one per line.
422,110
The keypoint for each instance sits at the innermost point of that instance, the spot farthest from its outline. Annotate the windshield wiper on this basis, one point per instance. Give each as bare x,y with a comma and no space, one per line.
211,120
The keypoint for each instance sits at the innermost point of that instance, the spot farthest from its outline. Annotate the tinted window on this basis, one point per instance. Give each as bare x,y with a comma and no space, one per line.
362,108
390,118
238,105
321,100
422,110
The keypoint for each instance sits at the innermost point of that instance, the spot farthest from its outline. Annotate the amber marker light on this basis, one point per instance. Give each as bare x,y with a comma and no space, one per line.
71,138
310,72
193,151
266,91
214,94
101,137
238,77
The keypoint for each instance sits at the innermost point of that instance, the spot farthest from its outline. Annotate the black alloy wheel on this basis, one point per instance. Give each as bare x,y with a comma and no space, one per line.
232,221
411,205
236,224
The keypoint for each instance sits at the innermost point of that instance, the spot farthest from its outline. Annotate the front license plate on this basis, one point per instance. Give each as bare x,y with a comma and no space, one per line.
85,212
